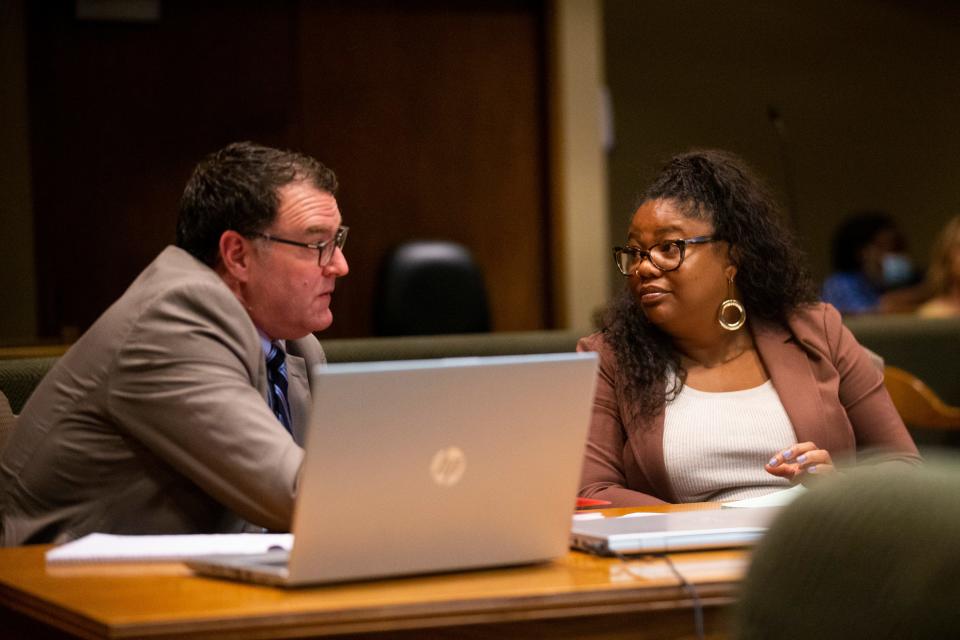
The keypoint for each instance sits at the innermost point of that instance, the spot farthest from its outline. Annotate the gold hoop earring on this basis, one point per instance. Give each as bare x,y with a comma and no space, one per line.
731,303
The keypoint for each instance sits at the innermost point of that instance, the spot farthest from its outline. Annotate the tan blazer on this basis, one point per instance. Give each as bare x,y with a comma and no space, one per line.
156,420
830,389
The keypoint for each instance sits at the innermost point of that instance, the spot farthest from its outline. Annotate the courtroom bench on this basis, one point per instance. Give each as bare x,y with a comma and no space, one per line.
20,374
927,348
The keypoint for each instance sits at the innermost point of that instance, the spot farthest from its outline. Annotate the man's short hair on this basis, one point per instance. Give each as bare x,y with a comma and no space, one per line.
238,188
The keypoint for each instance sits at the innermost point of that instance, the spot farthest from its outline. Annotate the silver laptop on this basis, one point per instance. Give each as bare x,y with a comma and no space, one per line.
433,465
669,532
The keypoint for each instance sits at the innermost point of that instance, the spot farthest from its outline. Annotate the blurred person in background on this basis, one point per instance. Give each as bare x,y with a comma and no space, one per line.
943,276
872,271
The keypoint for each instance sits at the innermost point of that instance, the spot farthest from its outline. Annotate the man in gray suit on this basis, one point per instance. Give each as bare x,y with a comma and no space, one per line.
183,408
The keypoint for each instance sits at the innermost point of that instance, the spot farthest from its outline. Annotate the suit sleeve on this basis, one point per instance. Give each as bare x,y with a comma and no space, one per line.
878,429
603,476
184,386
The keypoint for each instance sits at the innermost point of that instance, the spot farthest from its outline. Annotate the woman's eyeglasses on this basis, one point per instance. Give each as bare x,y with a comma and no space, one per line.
666,255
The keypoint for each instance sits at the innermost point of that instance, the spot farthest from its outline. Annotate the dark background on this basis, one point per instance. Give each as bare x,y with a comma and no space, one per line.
431,116
436,116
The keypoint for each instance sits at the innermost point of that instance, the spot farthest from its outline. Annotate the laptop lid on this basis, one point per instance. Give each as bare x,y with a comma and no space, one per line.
438,465
669,532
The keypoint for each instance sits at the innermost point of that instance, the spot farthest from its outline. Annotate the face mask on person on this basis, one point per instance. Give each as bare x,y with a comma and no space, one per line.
897,270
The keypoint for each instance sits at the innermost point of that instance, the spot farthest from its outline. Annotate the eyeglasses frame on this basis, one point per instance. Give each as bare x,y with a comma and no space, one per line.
339,239
645,253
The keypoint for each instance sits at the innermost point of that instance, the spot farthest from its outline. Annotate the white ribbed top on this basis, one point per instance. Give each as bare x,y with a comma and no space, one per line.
715,444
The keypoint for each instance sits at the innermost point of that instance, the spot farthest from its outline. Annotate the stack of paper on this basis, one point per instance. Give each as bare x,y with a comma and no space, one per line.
103,547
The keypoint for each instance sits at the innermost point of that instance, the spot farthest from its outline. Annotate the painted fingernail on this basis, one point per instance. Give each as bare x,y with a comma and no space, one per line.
812,469
773,462
802,458
787,454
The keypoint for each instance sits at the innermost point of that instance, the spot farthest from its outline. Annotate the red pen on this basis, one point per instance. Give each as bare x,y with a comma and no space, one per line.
590,502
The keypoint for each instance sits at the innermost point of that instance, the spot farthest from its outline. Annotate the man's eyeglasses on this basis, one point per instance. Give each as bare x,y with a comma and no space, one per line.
665,256
326,248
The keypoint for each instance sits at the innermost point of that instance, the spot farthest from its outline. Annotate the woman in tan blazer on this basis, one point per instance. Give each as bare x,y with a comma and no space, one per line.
721,376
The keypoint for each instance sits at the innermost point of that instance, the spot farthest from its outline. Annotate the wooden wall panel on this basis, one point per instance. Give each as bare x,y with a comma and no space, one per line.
432,116
120,113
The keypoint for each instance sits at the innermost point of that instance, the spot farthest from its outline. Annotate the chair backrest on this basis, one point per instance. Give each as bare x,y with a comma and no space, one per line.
929,348
916,402
871,554
6,421
430,287
503,343
20,376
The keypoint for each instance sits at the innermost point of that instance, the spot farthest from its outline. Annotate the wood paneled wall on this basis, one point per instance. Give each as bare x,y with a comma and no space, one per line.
432,115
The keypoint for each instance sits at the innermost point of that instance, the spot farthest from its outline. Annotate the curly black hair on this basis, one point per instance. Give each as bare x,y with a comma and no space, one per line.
772,276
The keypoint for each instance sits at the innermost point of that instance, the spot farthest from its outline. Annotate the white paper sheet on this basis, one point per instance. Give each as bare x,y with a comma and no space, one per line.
775,499
103,547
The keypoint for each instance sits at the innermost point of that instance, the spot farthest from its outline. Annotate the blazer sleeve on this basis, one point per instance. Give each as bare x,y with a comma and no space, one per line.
604,476
185,386
879,432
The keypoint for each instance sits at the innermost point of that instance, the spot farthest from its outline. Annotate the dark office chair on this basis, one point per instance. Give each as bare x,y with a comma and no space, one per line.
429,287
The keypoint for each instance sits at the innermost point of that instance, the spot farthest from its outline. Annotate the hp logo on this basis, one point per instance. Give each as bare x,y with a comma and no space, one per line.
448,466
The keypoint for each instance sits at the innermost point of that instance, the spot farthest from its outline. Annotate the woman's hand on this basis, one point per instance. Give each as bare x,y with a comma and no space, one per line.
800,459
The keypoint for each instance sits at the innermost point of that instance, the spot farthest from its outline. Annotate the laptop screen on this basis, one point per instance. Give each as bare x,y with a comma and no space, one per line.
435,465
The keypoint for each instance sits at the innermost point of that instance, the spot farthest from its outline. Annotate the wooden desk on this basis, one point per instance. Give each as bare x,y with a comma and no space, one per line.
577,596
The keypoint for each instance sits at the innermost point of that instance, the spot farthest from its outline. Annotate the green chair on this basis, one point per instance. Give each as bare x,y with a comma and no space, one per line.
929,348
20,376
449,346
6,421
870,555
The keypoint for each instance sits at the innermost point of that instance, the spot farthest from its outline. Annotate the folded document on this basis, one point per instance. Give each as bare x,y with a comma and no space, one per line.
104,547
776,499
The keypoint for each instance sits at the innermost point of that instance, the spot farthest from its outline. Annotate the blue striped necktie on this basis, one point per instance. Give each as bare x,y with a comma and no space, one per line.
277,381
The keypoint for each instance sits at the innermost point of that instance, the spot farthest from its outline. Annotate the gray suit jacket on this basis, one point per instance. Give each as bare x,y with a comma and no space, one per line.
156,420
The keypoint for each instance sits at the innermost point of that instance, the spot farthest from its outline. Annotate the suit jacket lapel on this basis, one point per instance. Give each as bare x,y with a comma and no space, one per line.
788,364
298,396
